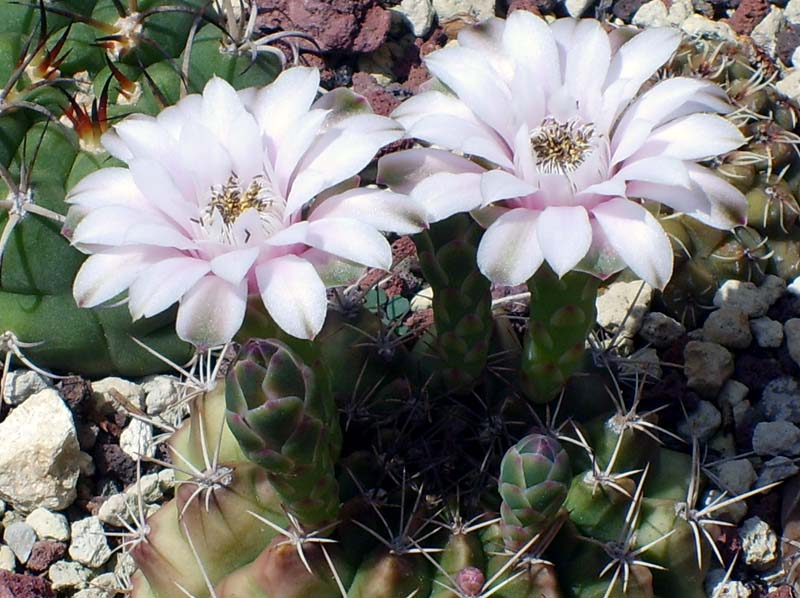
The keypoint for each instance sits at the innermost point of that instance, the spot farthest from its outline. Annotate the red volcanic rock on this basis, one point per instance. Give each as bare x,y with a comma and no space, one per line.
748,14
382,101
44,554
341,26
24,586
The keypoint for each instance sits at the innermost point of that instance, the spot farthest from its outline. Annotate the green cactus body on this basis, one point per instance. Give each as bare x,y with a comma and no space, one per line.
284,419
279,572
222,532
534,478
462,299
460,551
562,313
384,574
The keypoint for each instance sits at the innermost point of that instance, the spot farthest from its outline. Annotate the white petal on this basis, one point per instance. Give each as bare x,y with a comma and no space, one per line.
565,236
529,42
291,235
103,276
158,186
293,294
663,170
338,154
291,150
693,137
728,205
120,225
106,187
638,238
402,171
351,240
279,105
381,209
233,266
211,312
163,283
509,251
221,106
486,37
476,83
587,60
444,194
497,185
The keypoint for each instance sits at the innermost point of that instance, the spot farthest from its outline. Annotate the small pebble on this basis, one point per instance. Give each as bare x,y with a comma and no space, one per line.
744,295
48,525
776,438
67,575
701,423
137,439
775,470
8,562
759,543
89,545
767,332
717,587
624,304
161,393
707,367
20,538
737,476
780,400
660,330
729,327
735,511
792,331
21,384
108,392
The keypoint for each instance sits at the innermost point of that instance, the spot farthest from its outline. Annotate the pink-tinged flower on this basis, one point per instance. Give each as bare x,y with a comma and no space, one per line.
559,138
229,194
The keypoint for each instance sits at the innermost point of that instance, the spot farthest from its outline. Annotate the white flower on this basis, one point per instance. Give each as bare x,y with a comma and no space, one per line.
568,143
229,194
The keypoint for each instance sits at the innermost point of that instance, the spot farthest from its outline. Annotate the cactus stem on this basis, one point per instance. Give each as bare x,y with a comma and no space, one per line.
199,561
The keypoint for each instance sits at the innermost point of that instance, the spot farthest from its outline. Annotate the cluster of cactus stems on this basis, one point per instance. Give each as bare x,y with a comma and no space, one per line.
363,464
766,170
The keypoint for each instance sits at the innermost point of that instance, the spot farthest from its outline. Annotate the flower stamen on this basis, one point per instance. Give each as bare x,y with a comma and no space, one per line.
561,147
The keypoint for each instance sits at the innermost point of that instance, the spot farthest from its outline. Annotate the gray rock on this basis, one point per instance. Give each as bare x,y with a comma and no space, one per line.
92,592
48,525
775,470
148,487
21,384
660,330
744,295
624,305
772,288
114,510
737,476
767,332
89,545
776,438
679,11
39,454
765,34
791,329
161,393
137,439
759,543
166,479
701,423
735,511
651,14
702,27
733,392
66,575
8,562
418,14
707,366
790,84
20,538
717,586
644,362
792,12
111,393
729,327
576,8
780,400
451,10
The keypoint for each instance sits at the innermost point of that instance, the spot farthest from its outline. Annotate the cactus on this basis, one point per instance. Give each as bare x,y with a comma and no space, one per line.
68,70
766,170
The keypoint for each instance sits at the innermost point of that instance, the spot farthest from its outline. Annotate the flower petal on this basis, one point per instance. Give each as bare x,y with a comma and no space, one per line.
404,170
693,137
443,194
233,266
529,42
587,60
105,275
211,312
164,283
565,236
497,185
351,240
279,106
120,225
293,294
381,209
509,251
638,239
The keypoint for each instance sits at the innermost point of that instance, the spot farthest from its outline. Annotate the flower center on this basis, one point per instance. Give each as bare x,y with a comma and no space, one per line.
561,147
231,200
